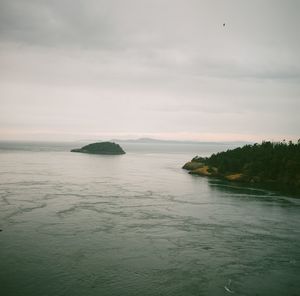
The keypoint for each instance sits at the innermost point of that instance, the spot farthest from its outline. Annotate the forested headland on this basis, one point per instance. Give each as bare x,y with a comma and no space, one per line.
275,164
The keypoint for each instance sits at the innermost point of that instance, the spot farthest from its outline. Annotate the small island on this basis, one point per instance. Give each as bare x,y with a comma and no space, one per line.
106,148
273,165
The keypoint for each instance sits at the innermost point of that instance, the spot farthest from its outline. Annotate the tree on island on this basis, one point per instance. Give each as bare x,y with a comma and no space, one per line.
107,148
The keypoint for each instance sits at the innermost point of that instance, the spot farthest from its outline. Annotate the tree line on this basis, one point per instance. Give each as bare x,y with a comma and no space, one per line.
271,162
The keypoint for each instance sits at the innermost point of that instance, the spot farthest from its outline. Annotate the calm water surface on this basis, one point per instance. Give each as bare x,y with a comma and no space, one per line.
137,224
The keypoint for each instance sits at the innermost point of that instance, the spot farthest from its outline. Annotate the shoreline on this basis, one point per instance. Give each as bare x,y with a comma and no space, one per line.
202,170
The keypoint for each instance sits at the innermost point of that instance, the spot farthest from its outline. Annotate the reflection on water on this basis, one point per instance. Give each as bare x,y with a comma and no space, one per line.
76,224
241,189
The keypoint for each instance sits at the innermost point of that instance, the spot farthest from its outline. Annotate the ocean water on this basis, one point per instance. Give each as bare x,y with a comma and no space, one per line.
137,224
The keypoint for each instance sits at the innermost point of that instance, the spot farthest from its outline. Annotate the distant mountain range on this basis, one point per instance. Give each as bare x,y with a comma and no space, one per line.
157,141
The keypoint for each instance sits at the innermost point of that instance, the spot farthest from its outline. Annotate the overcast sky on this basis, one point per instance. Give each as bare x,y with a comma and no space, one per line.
168,69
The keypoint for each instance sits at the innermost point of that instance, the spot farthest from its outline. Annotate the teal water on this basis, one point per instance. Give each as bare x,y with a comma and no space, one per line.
137,224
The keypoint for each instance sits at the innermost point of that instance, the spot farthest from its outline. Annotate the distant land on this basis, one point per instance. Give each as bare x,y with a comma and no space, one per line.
158,141
273,164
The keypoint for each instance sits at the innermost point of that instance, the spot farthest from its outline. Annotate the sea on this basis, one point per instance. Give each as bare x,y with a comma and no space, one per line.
138,224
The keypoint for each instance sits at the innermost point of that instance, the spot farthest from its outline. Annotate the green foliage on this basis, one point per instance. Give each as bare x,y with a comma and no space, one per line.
199,159
276,162
101,148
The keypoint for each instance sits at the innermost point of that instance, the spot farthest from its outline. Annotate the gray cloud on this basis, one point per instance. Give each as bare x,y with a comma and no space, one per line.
150,66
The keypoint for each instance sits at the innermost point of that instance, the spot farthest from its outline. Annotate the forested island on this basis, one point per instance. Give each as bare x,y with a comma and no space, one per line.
273,164
107,148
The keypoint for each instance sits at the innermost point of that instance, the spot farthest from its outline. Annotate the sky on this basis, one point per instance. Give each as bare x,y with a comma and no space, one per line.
166,69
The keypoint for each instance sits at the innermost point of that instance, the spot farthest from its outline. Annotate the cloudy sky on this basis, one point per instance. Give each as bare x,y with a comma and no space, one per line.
168,69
